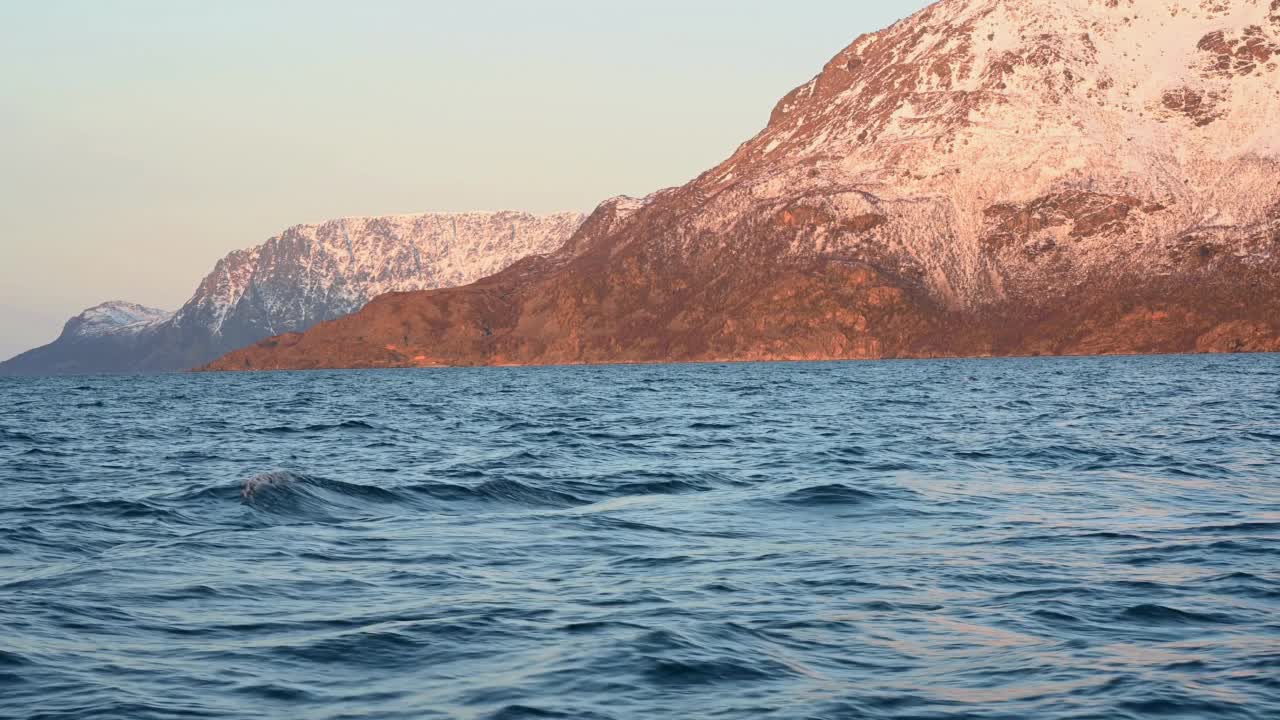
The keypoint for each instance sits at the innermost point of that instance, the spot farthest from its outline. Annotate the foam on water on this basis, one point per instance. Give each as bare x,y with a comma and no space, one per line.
998,539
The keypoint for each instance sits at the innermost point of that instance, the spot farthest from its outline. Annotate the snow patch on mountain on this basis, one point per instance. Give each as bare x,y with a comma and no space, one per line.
310,273
115,317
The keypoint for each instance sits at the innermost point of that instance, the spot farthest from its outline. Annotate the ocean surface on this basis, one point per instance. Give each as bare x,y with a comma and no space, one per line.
1031,538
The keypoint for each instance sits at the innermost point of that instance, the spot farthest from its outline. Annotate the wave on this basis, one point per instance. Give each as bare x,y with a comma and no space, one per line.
529,712
345,425
1243,584
1231,529
11,659
710,425
379,649
688,673
1055,617
1153,614
1199,551
828,495
111,508
302,496
672,486
17,436
652,482
296,495
502,490
42,452
276,693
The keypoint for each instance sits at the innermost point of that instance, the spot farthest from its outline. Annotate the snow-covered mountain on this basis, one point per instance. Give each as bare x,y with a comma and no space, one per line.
988,139
305,275
114,318
984,177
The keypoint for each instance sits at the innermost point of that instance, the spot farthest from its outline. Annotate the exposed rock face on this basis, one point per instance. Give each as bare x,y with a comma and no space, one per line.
985,177
305,275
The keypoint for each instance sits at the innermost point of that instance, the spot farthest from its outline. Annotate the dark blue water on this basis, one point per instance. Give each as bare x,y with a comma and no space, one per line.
987,539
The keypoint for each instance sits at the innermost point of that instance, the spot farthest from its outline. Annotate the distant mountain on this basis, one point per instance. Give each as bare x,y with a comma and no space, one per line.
114,318
305,275
105,337
986,177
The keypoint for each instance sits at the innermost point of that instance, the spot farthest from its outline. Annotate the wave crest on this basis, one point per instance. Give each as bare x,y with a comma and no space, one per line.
282,492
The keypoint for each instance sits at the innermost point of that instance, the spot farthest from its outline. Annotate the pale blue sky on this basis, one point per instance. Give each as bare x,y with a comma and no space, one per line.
140,140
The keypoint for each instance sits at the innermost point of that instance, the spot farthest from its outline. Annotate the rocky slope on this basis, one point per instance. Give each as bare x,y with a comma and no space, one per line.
986,177
305,275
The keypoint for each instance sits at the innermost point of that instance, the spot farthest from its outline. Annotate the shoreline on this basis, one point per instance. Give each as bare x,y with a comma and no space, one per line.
733,361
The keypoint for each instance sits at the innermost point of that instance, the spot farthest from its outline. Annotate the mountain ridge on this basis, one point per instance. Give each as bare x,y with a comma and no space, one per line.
303,275
983,178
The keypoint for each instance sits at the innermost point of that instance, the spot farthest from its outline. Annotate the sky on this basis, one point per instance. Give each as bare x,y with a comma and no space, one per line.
141,140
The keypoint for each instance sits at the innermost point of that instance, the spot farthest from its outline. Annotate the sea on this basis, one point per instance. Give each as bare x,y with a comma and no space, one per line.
1012,538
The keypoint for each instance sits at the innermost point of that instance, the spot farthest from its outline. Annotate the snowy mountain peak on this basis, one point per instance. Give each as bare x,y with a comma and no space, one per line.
316,272
963,73
1110,108
114,317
